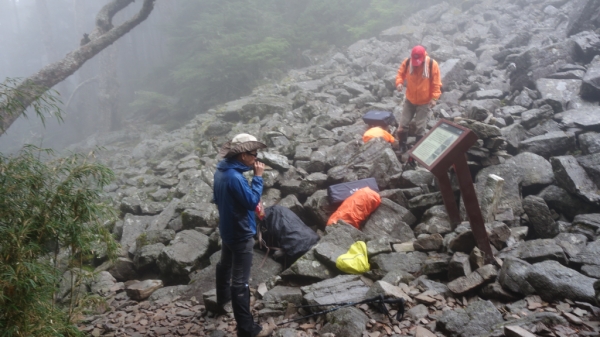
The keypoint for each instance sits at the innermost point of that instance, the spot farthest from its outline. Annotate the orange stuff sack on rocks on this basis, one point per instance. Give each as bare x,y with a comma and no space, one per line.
356,208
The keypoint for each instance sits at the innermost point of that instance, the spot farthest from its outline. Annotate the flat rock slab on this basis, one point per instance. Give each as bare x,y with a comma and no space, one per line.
142,290
587,118
343,288
553,281
554,143
410,262
534,251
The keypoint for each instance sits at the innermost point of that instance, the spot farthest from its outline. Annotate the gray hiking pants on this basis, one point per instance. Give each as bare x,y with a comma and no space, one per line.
419,114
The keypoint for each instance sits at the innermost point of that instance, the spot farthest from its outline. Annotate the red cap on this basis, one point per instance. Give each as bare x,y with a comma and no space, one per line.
417,56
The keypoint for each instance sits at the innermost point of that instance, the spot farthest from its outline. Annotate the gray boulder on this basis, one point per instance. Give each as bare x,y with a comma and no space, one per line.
133,227
146,256
554,143
564,202
410,262
540,218
390,220
591,164
589,142
553,281
590,88
349,322
559,93
587,118
183,253
512,276
573,178
475,320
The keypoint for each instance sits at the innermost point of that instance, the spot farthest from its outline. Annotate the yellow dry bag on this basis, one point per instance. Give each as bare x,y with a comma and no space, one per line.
355,261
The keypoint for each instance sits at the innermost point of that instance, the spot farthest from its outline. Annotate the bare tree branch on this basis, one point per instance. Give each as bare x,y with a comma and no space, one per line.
103,36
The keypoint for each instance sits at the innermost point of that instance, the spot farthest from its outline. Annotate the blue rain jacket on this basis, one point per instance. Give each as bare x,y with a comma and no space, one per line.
236,200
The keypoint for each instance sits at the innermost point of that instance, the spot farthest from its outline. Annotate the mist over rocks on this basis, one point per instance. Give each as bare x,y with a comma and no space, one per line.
521,74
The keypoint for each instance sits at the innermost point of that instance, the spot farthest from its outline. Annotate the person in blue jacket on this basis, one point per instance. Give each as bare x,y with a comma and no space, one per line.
236,201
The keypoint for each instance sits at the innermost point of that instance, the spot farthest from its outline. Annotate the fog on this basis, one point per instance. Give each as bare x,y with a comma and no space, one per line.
188,56
36,33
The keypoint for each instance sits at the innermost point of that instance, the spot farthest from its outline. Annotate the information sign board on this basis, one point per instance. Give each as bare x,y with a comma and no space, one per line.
437,143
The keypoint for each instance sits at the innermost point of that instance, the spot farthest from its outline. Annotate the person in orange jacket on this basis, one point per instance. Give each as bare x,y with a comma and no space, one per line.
423,88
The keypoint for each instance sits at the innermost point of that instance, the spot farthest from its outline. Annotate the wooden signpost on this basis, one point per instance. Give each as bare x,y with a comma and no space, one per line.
444,147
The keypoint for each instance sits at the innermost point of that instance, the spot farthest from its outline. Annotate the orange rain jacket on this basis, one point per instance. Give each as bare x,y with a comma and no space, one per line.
419,90
377,132
356,208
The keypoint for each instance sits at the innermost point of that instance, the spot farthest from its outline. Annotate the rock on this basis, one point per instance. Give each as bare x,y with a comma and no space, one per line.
417,312
512,276
283,293
390,220
482,130
573,178
536,251
590,88
486,94
133,227
496,292
387,290
274,160
161,221
395,195
145,258
154,236
459,266
345,322
544,227
553,281
536,63
571,243
426,243
564,202
559,93
123,270
168,294
474,280
203,215
343,288
536,171
421,203
452,71
587,45
589,142
308,265
328,253
531,118
103,284
140,291
183,253
491,195
588,255
410,262
378,246
436,265
587,118
435,220
514,134
318,208
591,164
475,320
516,331
396,277
554,143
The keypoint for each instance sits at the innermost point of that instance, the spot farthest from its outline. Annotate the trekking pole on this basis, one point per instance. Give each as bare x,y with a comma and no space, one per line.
380,300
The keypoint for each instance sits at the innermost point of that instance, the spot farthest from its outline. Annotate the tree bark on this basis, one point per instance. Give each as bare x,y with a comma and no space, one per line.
103,36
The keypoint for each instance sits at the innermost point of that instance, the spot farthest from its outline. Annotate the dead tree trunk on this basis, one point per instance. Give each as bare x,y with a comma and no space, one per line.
103,36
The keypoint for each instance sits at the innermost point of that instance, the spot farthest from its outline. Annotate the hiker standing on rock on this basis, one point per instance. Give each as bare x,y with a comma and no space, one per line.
423,88
237,201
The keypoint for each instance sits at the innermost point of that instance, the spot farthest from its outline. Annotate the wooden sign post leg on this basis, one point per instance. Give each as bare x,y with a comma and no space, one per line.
449,200
472,206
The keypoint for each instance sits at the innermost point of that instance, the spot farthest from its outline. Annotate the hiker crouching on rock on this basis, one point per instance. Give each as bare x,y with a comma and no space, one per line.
423,88
236,201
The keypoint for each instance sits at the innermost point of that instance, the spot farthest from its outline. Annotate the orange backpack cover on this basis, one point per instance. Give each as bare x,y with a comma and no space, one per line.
356,208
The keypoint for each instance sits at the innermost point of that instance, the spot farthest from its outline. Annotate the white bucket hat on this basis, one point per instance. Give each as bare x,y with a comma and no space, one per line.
241,143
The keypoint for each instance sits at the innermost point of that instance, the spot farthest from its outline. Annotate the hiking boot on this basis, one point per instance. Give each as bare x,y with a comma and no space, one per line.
257,331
